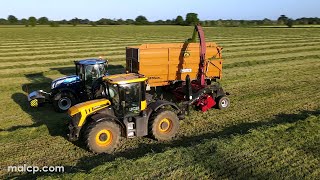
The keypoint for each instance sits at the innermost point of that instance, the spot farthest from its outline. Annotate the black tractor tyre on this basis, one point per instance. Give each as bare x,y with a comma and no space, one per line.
223,102
62,101
103,136
163,125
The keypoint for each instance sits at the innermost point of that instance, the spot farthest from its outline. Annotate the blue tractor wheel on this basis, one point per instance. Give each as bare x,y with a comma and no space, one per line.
63,101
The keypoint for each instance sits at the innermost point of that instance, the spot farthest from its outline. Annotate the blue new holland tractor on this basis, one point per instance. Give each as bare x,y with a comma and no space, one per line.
70,90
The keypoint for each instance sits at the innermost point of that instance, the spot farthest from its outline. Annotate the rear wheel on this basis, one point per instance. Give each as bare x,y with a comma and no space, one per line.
164,125
63,101
223,102
103,137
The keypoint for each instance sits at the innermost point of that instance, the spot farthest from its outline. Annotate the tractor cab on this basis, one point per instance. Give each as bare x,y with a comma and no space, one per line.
127,93
90,70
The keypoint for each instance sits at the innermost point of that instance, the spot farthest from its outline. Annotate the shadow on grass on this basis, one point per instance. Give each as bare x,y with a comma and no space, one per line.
87,163
43,115
55,122
38,81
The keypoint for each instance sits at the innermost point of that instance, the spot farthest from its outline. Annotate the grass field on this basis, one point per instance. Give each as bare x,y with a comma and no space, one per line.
271,130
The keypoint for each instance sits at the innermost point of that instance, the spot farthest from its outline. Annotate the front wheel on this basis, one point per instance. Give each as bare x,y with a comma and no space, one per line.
223,102
164,125
103,137
63,101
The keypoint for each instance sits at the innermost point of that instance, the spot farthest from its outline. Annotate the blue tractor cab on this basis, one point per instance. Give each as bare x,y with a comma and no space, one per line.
90,70
70,90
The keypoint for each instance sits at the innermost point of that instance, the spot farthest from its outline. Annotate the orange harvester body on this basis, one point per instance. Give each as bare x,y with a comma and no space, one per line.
166,63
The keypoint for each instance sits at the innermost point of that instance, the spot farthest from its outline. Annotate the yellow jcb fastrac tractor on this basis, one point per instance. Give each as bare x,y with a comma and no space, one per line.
123,112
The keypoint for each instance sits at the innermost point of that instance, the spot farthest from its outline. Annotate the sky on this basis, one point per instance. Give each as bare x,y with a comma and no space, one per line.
160,9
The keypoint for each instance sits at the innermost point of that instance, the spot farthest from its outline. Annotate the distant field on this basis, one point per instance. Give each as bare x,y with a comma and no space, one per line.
294,26
271,131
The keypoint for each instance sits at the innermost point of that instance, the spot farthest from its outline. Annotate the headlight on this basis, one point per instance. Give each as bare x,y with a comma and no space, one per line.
52,85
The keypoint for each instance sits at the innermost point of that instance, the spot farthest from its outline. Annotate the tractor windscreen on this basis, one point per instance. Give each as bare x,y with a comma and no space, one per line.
96,70
130,95
125,95
93,72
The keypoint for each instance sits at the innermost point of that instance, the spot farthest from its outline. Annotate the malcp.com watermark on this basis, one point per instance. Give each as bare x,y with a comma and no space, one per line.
35,169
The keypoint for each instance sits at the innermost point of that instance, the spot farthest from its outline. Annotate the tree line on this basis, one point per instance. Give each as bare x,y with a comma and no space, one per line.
190,19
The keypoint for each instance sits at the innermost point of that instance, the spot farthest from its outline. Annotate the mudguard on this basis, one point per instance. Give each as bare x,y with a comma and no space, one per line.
72,91
154,106
88,108
80,112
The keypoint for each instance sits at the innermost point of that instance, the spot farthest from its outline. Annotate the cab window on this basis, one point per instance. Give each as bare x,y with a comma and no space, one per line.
130,94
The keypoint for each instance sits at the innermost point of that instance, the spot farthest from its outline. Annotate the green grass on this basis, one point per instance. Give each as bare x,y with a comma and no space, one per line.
271,130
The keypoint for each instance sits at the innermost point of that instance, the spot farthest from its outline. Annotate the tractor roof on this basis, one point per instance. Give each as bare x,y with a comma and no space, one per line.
90,61
125,78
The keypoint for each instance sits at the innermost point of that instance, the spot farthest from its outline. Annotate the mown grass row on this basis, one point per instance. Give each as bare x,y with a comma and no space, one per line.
60,49
123,41
270,131
114,49
133,41
113,55
97,38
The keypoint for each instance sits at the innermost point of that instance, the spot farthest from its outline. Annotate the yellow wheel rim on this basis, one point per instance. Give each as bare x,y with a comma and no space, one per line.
104,137
165,125
34,103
